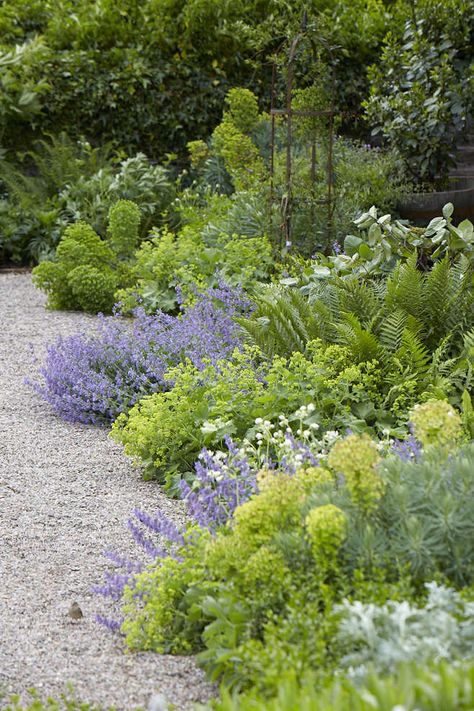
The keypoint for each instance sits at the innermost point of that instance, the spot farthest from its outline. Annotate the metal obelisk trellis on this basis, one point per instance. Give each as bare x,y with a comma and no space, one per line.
291,114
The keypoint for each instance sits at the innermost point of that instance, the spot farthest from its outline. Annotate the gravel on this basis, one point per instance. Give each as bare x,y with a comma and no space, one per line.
66,492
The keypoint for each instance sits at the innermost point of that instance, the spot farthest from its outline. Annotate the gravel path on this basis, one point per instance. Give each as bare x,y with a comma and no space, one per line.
65,495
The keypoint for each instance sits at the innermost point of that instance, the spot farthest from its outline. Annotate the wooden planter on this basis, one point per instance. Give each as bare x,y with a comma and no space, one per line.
420,208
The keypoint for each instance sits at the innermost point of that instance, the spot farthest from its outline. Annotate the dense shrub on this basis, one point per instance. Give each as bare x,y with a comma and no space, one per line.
422,90
145,76
61,181
88,270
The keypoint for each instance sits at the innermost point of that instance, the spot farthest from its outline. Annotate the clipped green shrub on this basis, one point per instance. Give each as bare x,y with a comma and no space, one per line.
124,225
88,270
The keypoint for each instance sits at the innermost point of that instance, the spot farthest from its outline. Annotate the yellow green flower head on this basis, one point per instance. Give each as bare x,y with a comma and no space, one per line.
198,153
356,458
326,527
265,567
436,422
311,477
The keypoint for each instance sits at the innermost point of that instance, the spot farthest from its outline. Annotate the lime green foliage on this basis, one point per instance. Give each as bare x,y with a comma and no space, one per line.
264,593
217,239
124,225
88,270
357,457
436,422
167,430
163,590
242,109
231,140
198,153
326,527
63,703
424,688
92,289
227,585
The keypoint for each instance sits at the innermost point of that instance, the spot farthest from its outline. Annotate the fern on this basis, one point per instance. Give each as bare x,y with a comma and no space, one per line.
418,326
363,344
392,328
404,289
283,322
359,297
412,354
49,167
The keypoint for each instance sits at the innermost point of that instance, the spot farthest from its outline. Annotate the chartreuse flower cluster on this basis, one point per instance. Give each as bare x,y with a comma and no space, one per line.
436,422
326,527
356,458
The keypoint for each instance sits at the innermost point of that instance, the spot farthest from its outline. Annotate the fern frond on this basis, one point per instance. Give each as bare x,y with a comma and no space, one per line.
283,322
413,354
364,345
392,329
358,297
405,288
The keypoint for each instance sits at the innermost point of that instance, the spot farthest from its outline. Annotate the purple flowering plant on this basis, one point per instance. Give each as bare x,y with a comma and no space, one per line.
223,481
93,377
409,449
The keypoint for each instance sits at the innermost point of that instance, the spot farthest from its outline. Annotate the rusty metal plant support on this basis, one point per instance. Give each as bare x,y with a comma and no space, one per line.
290,113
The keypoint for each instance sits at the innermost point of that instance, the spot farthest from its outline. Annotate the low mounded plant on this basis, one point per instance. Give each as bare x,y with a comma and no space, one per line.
88,270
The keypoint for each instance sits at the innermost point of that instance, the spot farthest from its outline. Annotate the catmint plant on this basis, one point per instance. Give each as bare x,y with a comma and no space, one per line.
223,481
92,378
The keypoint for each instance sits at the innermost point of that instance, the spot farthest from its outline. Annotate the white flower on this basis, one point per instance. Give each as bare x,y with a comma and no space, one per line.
158,702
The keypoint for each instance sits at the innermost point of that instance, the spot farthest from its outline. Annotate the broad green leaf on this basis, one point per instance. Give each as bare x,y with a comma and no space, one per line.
374,234
365,251
448,210
352,244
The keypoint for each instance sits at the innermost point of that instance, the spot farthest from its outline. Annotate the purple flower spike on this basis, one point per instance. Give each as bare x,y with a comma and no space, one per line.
112,625
220,485
408,449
